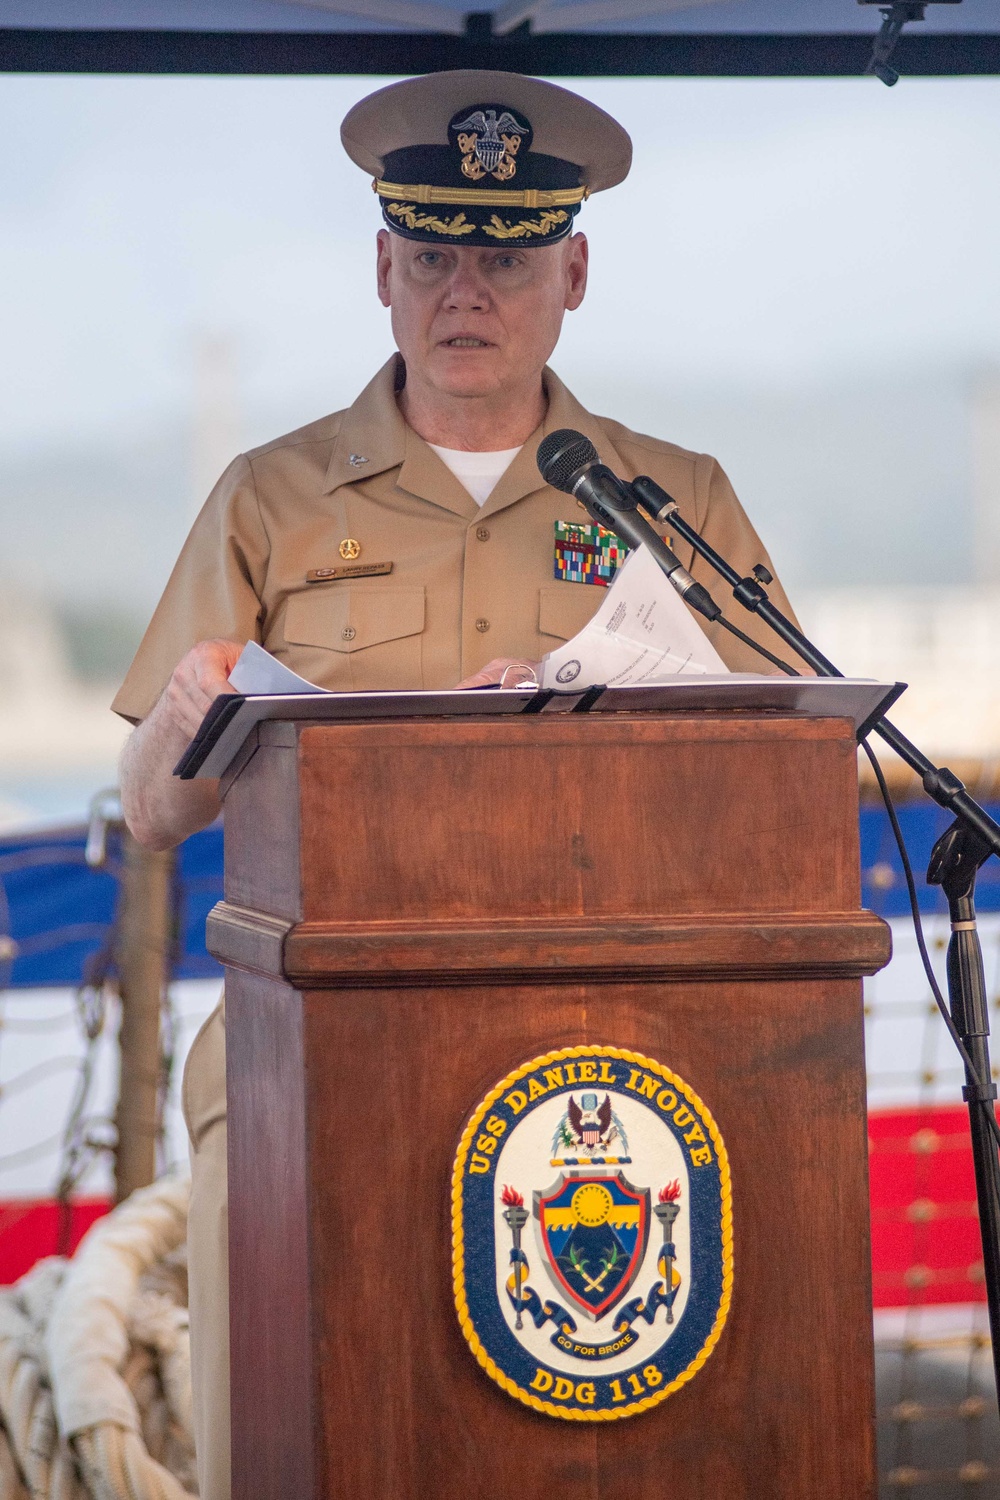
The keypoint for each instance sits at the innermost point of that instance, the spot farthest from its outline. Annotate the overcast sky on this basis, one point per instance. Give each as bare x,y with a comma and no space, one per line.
771,231
799,276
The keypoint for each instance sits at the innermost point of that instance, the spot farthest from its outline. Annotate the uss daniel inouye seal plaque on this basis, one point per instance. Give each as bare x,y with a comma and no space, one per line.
592,1233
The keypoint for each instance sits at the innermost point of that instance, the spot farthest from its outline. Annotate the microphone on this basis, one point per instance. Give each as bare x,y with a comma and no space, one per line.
568,461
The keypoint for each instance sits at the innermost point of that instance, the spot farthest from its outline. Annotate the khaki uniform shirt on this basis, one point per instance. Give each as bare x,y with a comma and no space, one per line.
467,583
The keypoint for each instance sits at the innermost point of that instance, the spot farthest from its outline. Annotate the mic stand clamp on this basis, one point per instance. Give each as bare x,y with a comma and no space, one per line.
895,15
749,591
894,18
955,862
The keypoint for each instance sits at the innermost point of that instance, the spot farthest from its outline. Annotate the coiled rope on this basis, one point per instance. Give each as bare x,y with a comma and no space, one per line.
95,1367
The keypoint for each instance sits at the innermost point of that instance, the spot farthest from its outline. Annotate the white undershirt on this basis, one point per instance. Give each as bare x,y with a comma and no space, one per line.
479,473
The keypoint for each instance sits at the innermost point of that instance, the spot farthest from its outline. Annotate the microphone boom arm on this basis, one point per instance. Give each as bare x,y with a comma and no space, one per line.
938,781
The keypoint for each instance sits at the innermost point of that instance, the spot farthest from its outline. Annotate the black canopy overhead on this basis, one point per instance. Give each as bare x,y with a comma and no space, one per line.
738,38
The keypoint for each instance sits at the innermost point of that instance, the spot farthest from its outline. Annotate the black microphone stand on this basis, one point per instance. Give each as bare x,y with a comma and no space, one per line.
954,864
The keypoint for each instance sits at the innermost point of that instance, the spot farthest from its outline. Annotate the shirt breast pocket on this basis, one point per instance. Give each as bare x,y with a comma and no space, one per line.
565,608
357,639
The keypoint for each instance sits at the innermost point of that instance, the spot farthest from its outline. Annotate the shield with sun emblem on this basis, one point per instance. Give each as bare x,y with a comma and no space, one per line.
592,1229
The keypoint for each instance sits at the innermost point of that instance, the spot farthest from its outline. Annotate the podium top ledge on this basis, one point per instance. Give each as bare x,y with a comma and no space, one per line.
233,717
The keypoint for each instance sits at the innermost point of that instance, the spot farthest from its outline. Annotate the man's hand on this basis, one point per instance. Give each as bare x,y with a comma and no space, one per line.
197,681
161,810
508,670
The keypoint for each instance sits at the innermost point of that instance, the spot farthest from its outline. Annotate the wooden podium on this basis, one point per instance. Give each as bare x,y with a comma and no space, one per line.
414,908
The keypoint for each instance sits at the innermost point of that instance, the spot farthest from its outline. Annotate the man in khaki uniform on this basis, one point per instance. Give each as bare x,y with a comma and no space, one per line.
409,541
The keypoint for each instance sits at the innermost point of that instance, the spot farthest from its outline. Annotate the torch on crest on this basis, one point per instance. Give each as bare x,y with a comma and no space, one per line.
666,1209
516,1216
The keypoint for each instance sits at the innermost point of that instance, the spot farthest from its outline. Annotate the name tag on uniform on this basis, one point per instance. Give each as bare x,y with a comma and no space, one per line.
348,570
587,554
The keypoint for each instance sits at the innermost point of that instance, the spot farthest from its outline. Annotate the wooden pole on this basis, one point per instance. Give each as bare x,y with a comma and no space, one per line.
144,948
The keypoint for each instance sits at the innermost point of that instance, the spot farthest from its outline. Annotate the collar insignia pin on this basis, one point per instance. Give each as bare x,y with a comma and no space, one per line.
356,460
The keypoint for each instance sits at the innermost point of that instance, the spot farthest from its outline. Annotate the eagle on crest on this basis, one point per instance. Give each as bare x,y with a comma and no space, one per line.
589,1128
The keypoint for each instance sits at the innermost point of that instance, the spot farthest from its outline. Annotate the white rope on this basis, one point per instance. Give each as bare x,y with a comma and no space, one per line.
95,1373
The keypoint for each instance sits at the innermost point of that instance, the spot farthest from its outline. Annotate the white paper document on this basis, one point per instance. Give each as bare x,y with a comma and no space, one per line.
258,672
643,633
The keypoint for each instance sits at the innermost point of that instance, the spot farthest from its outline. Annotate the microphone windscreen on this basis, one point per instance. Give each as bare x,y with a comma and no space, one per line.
562,455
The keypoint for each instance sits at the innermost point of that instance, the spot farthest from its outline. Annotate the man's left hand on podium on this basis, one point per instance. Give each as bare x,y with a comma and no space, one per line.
503,671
